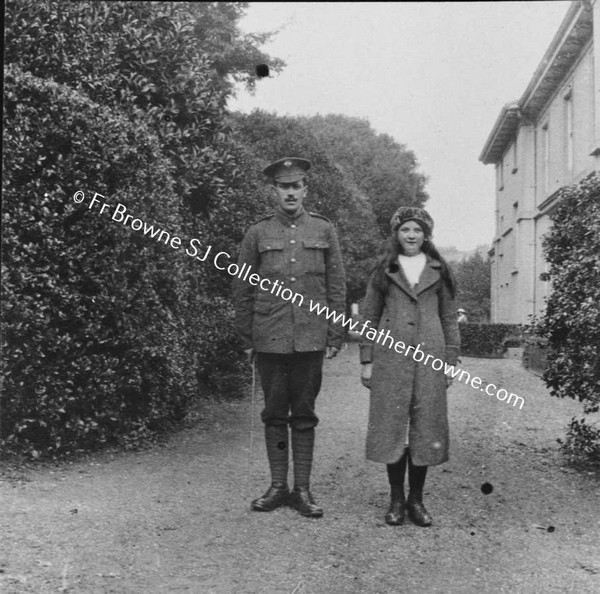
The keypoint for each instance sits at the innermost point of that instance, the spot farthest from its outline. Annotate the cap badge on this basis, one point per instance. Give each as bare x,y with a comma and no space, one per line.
287,164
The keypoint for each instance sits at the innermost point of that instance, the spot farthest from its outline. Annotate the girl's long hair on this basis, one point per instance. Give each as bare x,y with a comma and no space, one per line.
389,261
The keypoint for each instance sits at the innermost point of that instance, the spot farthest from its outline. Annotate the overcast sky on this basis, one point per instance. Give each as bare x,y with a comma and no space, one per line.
433,75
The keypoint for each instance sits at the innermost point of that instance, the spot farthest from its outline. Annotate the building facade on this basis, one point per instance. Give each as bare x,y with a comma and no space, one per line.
548,139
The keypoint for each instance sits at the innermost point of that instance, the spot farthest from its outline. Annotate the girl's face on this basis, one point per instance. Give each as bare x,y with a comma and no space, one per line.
411,237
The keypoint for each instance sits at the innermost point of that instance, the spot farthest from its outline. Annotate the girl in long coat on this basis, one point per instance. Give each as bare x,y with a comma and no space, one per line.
410,297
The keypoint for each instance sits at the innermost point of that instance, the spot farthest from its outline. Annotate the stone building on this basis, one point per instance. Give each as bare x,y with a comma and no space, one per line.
546,140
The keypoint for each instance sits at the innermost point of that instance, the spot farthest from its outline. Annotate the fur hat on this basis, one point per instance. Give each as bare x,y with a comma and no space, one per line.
412,213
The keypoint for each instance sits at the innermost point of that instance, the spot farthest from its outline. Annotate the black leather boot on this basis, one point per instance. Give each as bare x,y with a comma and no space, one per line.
276,496
302,499
395,514
417,512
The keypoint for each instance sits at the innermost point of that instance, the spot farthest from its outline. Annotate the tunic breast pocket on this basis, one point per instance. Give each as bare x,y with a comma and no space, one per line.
314,255
271,256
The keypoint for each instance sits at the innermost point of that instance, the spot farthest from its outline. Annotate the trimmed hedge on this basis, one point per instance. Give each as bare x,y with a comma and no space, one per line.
102,326
488,340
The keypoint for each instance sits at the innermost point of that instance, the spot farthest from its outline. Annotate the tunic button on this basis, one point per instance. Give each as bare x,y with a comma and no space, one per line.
293,226
292,241
293,279
293,260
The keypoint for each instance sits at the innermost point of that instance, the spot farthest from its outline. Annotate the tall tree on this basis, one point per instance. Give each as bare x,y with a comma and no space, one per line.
384,170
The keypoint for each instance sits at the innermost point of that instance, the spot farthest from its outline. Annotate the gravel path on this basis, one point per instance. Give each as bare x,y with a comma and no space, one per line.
177,518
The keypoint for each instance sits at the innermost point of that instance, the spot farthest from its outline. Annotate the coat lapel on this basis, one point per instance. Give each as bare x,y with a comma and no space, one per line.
399,279
430,275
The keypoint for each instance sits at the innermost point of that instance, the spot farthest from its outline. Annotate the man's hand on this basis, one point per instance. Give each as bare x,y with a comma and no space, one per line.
331,352
250,354
365,374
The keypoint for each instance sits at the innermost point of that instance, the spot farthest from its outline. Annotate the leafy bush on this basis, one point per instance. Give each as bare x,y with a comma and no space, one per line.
487,340
91,313
582,443
105,331
571,322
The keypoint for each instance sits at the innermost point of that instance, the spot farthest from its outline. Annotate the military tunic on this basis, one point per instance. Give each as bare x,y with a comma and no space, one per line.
303,253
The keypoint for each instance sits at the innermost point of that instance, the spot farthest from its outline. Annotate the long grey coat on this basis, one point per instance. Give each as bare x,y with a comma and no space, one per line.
406,393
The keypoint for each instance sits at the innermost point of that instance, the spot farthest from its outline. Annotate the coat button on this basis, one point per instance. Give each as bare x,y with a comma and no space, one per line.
292,241
293,279
293,260
293,226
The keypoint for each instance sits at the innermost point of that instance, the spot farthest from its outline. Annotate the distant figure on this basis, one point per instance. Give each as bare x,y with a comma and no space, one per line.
462,316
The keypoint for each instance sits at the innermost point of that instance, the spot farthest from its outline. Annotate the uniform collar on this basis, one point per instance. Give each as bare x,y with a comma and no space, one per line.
288,220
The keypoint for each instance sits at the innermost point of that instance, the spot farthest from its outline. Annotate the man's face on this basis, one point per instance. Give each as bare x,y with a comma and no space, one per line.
290,195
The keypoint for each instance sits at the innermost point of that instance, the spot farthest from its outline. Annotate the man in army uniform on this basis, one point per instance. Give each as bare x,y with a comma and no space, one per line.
300,250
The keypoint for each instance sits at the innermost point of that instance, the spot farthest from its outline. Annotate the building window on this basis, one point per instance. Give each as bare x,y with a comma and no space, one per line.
569,129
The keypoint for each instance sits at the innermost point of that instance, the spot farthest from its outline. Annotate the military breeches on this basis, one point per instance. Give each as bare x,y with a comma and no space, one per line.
290,383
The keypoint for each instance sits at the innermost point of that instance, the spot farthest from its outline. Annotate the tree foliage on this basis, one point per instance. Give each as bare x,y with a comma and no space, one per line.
571,322
380,167
92,317
171,64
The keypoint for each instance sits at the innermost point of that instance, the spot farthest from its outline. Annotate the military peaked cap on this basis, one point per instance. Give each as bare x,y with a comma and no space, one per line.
288,169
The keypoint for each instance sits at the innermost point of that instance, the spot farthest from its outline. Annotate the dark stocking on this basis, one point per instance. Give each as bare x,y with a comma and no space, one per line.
416,481
397,470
